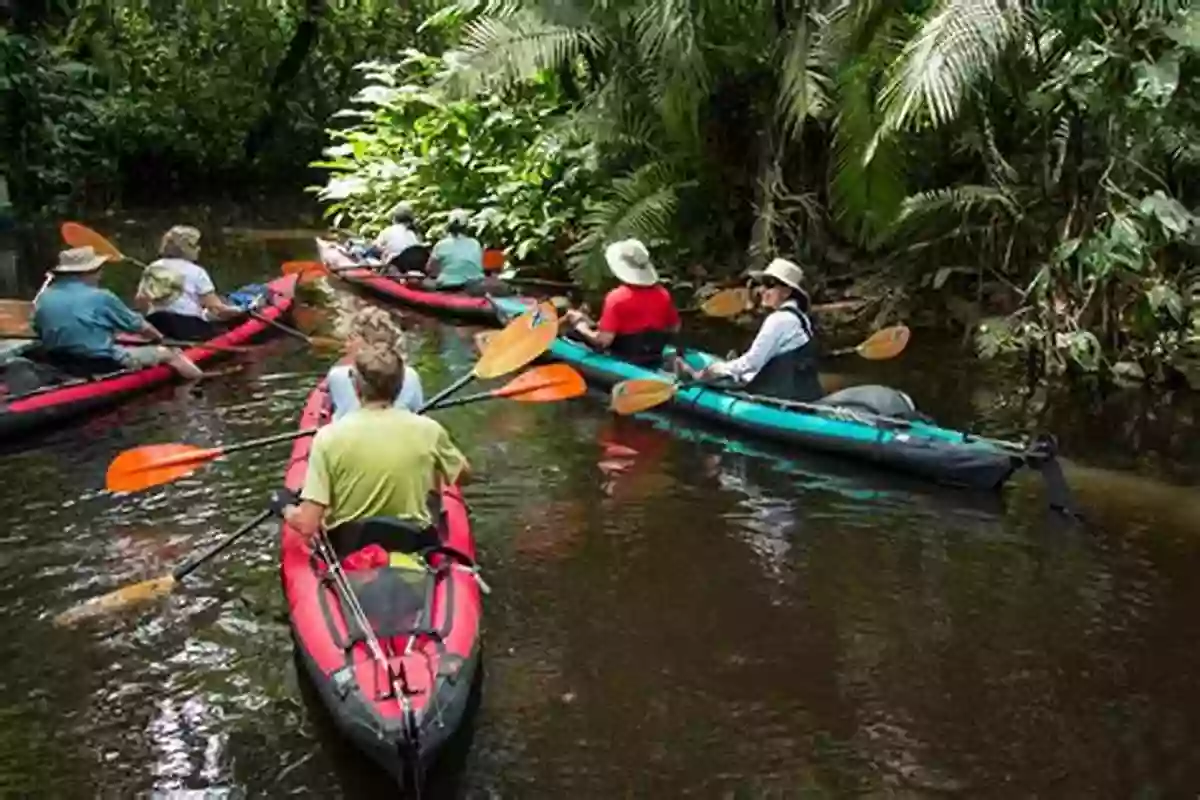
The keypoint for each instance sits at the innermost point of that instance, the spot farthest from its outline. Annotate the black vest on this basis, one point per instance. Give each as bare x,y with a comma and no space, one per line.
792,375
644,349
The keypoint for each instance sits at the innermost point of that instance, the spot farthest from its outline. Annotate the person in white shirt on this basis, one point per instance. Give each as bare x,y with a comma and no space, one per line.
372,326
782,360
178,294
399,236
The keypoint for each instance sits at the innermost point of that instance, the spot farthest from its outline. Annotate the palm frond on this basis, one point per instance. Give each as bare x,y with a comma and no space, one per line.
803,89
669,44
926,216
952,51
503,50
640,205
864,194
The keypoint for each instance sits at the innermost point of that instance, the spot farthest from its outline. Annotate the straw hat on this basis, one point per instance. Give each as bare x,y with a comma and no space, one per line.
629,262
784,271
78,260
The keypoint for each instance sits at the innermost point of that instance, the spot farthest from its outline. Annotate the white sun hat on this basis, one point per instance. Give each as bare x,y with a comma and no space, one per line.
784,271
629,261
79,259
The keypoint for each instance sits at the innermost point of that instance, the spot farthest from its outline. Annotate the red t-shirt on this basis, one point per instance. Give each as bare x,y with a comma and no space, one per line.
636,309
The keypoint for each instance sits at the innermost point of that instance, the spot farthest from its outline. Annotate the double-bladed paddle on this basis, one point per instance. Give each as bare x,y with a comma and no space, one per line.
513,348
139,468
133,341
640,394
78,235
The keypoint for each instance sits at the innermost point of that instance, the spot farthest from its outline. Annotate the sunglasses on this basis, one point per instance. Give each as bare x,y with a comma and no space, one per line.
770,283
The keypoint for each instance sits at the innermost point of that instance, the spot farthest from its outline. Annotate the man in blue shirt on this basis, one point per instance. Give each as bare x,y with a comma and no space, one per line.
76,322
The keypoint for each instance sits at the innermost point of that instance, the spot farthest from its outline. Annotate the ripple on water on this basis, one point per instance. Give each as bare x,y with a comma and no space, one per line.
675,612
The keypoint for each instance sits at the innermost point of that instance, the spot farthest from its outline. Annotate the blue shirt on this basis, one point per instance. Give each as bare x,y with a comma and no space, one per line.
345,399
461,261
78,319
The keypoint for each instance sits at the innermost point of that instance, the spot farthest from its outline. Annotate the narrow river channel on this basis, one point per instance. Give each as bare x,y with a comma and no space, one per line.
673,611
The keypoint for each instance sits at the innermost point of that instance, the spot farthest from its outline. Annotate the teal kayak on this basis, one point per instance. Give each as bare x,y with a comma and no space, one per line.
913,446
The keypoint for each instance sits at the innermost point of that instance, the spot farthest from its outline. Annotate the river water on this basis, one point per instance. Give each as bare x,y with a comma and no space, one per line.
673,612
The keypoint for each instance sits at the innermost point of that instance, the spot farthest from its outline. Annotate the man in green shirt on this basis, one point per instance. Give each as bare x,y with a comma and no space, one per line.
378,460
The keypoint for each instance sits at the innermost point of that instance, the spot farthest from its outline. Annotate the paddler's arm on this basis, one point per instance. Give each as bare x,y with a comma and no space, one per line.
450,466
764,347
306,516
123,318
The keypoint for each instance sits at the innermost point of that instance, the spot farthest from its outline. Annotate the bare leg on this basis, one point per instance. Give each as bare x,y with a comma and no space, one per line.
183,365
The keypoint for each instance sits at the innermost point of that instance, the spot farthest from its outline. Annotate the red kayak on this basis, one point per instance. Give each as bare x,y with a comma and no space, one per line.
456,304
23,412
423,606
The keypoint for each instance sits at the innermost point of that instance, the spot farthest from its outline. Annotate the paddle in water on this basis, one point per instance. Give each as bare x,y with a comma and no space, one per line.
155,464
640,394
145,591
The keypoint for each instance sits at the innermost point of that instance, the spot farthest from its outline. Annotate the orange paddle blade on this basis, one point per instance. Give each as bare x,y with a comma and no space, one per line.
493,260
639,394
728,303
156,464
15,315
519,343
544,385
885,344
308,271
126,596
78,235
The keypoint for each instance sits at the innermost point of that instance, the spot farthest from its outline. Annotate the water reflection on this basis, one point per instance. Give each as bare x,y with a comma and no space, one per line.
674,613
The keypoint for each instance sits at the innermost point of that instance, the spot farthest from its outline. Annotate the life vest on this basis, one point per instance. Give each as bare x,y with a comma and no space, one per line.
792,375
645,349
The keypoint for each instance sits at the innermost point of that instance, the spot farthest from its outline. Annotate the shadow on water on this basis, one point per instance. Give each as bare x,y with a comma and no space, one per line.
674,613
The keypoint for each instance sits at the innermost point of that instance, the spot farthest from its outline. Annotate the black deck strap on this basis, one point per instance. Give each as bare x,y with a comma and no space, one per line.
354,632
1043,456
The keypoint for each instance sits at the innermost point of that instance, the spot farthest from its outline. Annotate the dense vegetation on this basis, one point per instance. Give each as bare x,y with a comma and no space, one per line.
104,96
1028,171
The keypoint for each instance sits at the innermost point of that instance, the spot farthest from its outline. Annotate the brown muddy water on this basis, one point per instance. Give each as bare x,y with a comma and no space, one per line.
674,612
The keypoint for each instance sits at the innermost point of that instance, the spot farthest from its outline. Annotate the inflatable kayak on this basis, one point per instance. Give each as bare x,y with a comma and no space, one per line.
424,607
838,424
24,409
460,305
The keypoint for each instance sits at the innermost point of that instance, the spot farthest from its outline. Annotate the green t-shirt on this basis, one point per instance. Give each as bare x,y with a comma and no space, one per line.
460,259
379,462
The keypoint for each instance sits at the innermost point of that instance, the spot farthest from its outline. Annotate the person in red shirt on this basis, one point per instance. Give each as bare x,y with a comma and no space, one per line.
639,317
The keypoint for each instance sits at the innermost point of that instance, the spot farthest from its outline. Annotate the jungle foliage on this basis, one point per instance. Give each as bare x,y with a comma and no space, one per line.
1028,168
100,96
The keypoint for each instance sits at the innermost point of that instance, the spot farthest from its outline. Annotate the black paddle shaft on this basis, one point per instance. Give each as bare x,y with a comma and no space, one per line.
192,563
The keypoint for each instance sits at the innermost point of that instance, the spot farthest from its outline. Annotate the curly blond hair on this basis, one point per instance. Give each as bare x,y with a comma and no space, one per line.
182,241
375,326
380,370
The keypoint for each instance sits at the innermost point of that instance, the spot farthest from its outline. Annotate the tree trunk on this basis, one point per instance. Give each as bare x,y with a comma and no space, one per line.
289,67
768,182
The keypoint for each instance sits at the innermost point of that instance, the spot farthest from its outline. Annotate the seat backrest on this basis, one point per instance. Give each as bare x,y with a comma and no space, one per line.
393,535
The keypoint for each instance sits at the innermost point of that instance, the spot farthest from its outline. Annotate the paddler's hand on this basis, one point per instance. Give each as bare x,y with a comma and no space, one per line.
282,500
574,317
